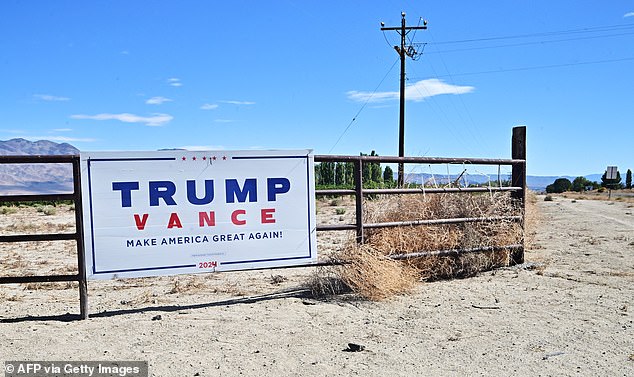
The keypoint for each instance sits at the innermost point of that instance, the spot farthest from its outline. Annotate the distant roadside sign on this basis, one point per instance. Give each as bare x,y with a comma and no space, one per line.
612,172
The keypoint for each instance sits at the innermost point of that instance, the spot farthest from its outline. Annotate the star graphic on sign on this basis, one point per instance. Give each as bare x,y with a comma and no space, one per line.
224,158
204,158
194,158
214,158
184,158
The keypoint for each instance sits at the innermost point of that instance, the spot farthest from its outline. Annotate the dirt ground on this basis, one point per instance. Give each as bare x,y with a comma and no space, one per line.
568,311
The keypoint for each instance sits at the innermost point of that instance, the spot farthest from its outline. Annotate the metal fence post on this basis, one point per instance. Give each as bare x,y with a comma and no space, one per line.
358,187
81,251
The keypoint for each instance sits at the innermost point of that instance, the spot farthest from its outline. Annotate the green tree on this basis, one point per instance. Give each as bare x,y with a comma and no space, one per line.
560,185
628,179
318,174
326,173
580,183
388,176
376,173
349,173
372,171
339,174
366,170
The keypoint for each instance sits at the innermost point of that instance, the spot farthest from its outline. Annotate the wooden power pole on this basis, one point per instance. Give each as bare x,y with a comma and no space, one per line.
403,51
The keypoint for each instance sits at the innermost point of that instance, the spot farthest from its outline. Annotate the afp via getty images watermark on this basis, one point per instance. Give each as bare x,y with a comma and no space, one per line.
76,368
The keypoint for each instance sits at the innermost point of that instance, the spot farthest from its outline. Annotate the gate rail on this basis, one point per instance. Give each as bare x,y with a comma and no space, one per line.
78,235
517,189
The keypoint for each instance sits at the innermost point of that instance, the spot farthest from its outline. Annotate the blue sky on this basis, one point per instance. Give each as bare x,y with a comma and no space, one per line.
141,75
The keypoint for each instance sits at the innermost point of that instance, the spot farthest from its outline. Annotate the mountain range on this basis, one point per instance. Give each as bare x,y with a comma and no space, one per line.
58,178
534,182
35,178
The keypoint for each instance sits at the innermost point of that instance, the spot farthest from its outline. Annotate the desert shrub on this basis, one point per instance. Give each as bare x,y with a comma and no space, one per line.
36,203
47,210
327,281
340,211
548,198
8,210
373,275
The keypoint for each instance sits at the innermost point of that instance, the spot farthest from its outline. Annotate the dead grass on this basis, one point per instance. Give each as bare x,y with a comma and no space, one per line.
31,228
326,281
50,286
625,195
369,271
403,240
146,297
373,275
15,263
233,289
189,284
462,266
14,298
531,220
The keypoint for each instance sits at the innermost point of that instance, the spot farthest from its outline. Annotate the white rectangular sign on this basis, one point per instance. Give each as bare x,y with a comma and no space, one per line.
611,172
175,212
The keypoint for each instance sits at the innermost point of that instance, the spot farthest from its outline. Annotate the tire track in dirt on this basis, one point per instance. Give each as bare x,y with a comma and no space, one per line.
599,208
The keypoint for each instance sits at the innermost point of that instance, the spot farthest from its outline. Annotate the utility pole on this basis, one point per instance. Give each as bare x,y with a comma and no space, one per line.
403,51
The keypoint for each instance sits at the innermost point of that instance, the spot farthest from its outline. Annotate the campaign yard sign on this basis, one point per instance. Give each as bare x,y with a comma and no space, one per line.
178,212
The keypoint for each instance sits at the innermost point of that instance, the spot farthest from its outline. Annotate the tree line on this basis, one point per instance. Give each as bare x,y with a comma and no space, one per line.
580,184
341,174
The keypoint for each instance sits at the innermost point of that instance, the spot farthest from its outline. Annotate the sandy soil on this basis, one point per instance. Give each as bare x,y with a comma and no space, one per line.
568,311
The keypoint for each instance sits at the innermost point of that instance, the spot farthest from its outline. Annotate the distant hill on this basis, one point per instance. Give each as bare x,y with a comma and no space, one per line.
534,182
44,147
539,183
35,178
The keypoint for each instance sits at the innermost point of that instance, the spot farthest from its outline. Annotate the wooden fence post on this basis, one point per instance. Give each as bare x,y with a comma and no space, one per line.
518,179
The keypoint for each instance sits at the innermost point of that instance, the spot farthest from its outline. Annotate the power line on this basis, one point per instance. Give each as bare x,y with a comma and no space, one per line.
386,40
541,42
536,67
543,34
363,106
471,126
442,117
411,40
